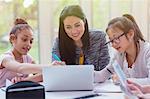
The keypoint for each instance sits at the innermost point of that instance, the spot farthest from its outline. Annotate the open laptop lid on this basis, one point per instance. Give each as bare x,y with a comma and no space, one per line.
69,77
123,80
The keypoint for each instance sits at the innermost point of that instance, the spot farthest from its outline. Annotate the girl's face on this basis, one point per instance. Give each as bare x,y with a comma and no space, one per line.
22,43
74,27
118,39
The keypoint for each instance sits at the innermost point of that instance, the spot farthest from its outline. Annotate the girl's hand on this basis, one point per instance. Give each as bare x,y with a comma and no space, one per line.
129,82
58,63
115,79
136,89
17,79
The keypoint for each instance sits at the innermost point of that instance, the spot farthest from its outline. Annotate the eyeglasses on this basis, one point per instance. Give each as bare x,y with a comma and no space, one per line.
115,40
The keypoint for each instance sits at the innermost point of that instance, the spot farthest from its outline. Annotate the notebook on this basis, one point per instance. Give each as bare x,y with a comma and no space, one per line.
68,78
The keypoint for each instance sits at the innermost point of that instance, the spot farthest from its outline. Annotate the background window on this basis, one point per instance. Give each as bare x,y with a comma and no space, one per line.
13,9
43,16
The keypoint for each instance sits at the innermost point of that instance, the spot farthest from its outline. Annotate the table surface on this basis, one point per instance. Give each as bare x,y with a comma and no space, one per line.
110,92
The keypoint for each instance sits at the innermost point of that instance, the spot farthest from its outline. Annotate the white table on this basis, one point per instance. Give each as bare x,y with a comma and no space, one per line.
70,95
74,94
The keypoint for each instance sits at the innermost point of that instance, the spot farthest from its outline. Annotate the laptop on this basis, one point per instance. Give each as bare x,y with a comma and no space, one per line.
68,78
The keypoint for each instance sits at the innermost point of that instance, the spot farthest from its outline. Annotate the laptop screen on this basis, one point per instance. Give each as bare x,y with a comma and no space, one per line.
68,77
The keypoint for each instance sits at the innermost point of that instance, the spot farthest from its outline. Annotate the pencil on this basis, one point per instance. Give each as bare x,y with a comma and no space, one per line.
56,57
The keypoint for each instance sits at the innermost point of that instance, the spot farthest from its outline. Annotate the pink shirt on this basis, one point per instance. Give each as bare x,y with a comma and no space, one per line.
8,74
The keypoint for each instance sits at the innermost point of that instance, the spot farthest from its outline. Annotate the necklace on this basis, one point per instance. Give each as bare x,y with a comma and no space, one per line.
136,54
18,59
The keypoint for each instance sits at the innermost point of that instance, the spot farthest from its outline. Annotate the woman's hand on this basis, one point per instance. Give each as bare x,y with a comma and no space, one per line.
115,79
58,63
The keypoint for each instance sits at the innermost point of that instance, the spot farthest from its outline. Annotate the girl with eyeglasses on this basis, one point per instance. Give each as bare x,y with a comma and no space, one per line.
132,51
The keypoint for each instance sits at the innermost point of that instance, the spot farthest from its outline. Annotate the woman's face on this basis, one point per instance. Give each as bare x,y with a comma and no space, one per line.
118,39
74,27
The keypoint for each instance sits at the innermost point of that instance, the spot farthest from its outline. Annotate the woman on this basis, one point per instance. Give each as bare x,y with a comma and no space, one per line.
76,44
133,52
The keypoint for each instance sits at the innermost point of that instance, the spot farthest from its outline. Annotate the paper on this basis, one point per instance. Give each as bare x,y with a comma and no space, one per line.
8,83
107,88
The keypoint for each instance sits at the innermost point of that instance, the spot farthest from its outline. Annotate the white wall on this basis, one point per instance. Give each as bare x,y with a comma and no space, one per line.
45,30
140,12
138,8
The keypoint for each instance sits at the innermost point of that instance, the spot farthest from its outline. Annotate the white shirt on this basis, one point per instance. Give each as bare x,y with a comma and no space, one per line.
140,68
